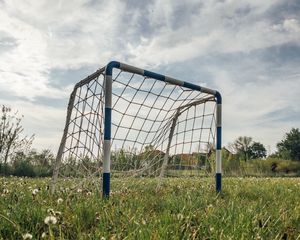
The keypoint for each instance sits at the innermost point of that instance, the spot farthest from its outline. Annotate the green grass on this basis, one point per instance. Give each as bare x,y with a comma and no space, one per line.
248,208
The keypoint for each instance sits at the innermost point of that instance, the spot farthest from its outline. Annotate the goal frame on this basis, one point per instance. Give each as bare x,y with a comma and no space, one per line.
108,79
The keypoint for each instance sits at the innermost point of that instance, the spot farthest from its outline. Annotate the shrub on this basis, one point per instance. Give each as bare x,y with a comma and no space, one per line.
271,166
24,169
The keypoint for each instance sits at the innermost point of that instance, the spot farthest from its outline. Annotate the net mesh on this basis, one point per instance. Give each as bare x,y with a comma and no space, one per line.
158,129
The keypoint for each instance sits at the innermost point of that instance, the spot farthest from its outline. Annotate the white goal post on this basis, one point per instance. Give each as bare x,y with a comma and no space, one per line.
140,123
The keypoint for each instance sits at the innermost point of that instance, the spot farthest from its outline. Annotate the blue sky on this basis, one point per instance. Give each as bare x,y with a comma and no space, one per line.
248,50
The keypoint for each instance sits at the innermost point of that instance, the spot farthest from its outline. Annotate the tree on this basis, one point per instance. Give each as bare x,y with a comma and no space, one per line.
11,140
241,146
289,147
246,149
257,150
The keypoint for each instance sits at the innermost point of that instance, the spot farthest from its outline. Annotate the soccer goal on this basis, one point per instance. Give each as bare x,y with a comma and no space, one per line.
123,121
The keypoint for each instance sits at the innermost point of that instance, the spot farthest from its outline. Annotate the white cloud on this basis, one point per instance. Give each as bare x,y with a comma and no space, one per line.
48,36
73,34
215,28
246,104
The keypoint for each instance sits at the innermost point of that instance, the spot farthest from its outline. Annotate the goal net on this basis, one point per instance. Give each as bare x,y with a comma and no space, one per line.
123,121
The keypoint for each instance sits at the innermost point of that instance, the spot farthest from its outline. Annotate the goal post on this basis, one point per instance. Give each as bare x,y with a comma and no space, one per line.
156,123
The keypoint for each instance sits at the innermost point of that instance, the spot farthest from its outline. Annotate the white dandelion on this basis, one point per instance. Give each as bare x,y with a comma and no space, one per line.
27,236
44,235
57,213
179,216
79,190
50,220
89,193
35,191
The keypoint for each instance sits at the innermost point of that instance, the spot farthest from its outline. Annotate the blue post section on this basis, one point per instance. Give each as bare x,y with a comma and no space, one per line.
107,124
110,66
106,185
218,182
218,97
219,138
191,86
154,75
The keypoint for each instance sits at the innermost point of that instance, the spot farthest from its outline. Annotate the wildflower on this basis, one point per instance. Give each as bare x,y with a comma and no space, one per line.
50,211
143,222
79,190
44,235
209,206
27,236
60,200
102,238
179,216
88,193
57,213
97,216
50,220
35,191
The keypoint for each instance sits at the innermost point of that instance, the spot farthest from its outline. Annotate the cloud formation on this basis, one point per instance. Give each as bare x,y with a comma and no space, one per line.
249,50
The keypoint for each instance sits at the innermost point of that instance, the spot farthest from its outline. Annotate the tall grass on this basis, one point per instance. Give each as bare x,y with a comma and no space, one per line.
182,208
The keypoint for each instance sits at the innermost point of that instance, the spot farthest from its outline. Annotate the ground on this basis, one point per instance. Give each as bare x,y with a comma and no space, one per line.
182,208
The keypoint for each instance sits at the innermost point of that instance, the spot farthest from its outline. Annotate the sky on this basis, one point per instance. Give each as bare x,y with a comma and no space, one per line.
248,50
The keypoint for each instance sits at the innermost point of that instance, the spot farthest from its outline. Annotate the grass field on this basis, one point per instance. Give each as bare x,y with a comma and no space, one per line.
248,208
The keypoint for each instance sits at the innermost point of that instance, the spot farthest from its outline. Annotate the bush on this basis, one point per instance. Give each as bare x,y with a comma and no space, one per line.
288,166
271,166
5,169
24,169
231,165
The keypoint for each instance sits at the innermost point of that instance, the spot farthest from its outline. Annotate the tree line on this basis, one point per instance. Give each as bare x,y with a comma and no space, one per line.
245,156
288,148
19,159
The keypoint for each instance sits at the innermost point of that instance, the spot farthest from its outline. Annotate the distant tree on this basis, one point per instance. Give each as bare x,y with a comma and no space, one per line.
257,150
289,147
11,130
241,147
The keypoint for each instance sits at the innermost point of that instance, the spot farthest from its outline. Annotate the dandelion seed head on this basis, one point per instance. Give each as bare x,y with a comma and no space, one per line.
79,190
50,220
35,191
179,216
57,213
50,211
27,236
44,235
